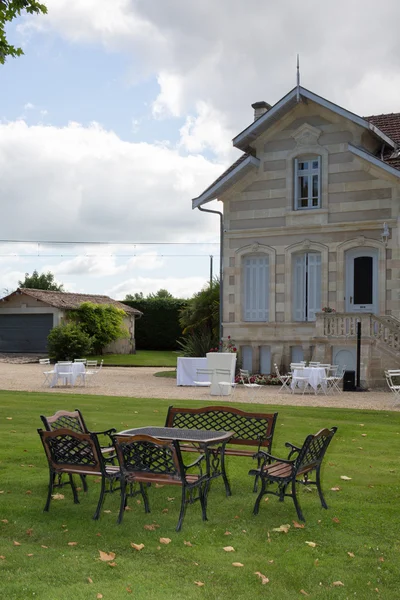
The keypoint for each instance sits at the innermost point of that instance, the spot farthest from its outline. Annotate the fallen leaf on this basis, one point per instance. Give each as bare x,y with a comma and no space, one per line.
345,478
165,541
263,578
270,562
2,557
316,562
9,418
129,590
151,527
16,543
187,543
229,549
351,554
28,492
335,520
29,531
4,520
137,546
90,580
72,543
107,512
199,583
58,496
337,584
159,485
137,502
127,508
227,533
170,499
112,564
29,554
297,525
45,547
164,510
98,534
304,593
106,556
156,411
266,499
381,559
311,544
335,489
363,435
282,528
99,596
237,564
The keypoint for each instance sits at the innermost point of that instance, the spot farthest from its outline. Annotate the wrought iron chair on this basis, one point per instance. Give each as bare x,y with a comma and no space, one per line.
75,453
284,379
75,421
285,473
144,459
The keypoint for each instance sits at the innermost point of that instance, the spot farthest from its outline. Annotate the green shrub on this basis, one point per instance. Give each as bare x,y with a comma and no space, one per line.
197,343
103,323
68,341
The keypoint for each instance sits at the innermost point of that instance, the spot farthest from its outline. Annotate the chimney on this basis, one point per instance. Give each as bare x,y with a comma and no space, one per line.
260,108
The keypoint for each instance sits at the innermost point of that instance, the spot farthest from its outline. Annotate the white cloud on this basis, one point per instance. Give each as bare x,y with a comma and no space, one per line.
178,287
29,106
208,130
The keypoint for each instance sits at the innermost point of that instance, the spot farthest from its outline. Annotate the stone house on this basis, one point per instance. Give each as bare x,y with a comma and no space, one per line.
28,315
310,222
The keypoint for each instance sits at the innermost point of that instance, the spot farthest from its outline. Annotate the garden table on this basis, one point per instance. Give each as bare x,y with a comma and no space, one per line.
69,373
315,376
186,370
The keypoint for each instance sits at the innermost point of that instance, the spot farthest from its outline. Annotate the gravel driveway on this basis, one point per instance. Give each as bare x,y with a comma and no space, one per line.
140,382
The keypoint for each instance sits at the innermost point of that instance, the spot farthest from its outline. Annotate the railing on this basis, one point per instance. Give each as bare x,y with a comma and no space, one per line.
385,329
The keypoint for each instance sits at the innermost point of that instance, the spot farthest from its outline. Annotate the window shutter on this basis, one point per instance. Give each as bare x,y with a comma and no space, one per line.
256,288
299,291
296,183
314,285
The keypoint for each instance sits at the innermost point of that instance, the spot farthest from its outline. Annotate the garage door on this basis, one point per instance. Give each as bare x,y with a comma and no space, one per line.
24,333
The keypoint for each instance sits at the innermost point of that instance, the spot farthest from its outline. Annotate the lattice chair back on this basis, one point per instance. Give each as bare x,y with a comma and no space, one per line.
146,454
64,419
67,449
313,450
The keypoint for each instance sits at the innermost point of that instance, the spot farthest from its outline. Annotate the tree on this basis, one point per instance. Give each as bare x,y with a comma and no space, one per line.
161,294
103,323
137,296
9,10
199,320
44,281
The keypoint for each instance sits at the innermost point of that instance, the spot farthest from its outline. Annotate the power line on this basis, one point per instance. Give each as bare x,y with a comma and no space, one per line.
110,243
105,255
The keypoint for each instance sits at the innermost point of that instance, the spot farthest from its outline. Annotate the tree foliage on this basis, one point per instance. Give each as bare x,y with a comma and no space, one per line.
103,323
42,281
9,10
68,341
199,320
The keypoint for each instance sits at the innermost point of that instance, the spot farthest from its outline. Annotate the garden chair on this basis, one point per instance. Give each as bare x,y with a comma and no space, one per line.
394,386
93,372
284,379
144,459
301,379
74,420
314,364
91,364
334,381
74,453
224,379
248,385
286,473
47,374
81,360
204,382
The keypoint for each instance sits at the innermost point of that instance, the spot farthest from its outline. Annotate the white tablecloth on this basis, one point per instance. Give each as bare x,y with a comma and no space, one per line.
186,370
74,371
315,376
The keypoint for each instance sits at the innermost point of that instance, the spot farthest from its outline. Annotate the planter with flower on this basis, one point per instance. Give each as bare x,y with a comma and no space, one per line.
328,309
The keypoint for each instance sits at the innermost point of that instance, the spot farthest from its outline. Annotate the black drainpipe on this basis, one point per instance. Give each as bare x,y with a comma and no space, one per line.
221,239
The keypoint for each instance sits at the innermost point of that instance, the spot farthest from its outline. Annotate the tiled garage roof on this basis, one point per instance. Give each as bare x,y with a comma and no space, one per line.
69,300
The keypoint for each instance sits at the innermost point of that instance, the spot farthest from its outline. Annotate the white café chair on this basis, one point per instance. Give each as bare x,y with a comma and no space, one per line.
92,372
284,379
91,364
204,382
64,370
314,364
250,387
300,378
81,360
335,379
391,374
224,380
47,374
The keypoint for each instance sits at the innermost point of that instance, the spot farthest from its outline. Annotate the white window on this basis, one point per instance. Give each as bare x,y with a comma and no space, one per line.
256,288
306,286
307,183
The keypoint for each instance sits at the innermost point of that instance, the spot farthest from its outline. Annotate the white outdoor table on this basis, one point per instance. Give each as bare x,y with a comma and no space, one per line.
186,370
315,376
73,371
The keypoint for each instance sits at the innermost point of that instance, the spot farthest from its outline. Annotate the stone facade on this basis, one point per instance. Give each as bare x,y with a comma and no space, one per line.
356,198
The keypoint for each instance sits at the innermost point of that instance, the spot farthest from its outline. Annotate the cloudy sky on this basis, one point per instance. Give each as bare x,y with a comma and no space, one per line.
121,112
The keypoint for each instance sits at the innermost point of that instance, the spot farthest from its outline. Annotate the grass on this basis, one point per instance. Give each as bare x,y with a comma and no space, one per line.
362,519
142,358
168,374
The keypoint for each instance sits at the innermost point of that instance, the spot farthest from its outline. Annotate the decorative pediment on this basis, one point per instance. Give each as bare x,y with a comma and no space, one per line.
306,135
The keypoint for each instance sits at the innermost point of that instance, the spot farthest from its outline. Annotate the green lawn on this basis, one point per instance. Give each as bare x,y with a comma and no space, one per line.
357,541
142,358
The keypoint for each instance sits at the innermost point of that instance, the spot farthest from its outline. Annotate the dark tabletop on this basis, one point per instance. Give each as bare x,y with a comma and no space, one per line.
181,435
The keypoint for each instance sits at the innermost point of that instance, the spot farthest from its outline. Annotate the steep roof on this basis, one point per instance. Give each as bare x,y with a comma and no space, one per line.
68,301
390,125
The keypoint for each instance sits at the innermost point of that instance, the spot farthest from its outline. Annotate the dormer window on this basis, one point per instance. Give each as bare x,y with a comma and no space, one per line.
307,183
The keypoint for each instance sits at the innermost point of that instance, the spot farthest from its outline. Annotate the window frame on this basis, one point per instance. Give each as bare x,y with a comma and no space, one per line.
309,173
267,308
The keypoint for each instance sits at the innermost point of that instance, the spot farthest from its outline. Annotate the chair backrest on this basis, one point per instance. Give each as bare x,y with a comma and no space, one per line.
224,375
68,450
91,363
314,364
64,362
147,454
64,419
244,375
297,366
312,452
249,427
44,361
80,360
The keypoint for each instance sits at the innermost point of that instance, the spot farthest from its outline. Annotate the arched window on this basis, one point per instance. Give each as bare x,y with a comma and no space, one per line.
307,182
256,287
306,285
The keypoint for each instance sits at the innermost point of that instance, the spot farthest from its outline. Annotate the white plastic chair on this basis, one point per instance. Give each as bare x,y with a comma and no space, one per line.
65,372
81,360
391,374
47,374
224,381
204,382
314,364
284,379
245,379
91,363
